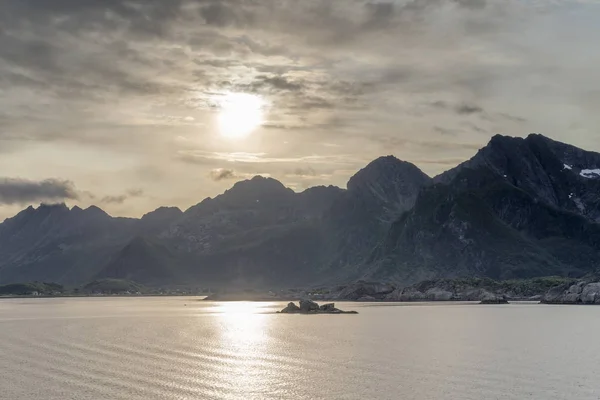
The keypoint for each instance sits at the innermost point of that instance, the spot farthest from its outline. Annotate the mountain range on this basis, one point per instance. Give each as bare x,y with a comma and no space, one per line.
520,208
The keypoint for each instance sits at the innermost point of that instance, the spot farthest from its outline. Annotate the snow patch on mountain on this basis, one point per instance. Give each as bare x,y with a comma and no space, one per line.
590,173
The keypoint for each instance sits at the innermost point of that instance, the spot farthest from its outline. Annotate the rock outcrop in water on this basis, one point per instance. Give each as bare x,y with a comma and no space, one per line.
310,307
578,293
494,300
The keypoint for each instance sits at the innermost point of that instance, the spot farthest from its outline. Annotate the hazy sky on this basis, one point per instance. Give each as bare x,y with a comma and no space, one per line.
133,104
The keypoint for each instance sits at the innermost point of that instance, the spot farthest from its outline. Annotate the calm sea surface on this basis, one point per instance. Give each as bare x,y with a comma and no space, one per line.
182,348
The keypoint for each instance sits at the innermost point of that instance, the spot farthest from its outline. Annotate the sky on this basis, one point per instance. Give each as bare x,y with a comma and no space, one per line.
135,104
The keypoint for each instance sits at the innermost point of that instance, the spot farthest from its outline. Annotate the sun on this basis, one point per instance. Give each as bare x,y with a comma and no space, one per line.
240,114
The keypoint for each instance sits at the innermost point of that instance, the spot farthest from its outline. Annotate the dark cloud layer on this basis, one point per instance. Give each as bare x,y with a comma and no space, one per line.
22,191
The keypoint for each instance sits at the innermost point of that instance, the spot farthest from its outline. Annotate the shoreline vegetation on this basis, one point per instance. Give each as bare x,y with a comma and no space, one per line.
548,290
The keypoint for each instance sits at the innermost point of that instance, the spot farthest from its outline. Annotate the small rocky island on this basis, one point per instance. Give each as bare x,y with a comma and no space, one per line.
310,307
494,300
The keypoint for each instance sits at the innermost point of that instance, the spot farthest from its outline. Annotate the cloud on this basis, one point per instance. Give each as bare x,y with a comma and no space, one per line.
445,131
220,174
22,191
473,127
201,157
114,199
461,109
120,199
308,171
343,81
514,118
468,109
280,83
135,192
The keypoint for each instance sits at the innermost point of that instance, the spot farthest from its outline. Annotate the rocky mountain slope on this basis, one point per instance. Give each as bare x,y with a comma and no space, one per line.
557,174
55,243
519,208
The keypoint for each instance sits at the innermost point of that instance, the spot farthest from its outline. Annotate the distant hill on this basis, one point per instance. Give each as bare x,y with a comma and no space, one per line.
520,208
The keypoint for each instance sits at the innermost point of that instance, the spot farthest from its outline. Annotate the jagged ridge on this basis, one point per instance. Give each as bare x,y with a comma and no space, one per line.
519,208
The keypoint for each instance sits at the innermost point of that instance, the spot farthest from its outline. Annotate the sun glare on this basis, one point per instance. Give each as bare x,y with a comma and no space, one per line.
240,114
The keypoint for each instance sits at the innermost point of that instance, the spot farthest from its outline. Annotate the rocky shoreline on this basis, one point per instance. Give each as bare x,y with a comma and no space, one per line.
485,291
579,293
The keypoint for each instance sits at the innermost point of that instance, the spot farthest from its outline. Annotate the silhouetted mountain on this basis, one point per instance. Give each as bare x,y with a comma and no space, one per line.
155,222
387,187
555,173
519,208
53,243
141,261
376,196
515,210
318,200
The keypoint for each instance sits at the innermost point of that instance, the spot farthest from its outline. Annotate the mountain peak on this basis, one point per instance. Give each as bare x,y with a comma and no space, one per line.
258,185
258,191
163,212
385,169
386,159
95,211
388,185
53,206
264,181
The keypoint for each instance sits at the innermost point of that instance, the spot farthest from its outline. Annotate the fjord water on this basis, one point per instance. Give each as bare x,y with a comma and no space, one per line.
182,348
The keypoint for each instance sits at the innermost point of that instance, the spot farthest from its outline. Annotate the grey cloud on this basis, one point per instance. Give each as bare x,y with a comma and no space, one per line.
220,174
440,104
217,63
380,14
312,102
120,199
445,131
135,192
20,191
204,158
474,127
466,109
273,125
148,17
437,145
307,171
221,14
274,83
114,199
514,118
473,4
262,48
440,145
461,109
281,83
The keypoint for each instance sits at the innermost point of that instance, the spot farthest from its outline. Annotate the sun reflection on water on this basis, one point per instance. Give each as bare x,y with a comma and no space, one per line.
244,337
